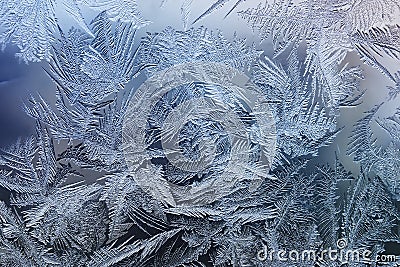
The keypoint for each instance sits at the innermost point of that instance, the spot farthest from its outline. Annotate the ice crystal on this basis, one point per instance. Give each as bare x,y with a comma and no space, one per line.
122,10
304,123
32,25
171,47
187,148
363,220
87,71
330,29
202,123
384,160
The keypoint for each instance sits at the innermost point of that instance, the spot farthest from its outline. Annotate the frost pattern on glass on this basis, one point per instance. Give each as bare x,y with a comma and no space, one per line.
296,94
32,24
189,148
171,47
193,133
330,30
384,160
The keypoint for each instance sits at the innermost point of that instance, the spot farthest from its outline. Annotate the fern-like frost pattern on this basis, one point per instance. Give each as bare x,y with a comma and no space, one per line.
189,147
